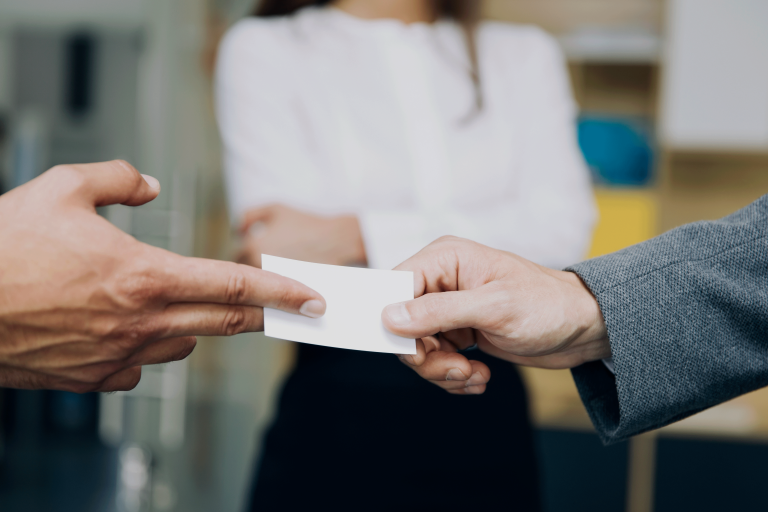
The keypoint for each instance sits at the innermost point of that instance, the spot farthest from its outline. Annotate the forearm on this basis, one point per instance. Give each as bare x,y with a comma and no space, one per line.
351,248
553,231
686,315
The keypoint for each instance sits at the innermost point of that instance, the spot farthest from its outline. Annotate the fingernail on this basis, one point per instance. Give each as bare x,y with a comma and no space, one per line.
455,374
406,359
312,308
474,390
151,181
475,380
398,314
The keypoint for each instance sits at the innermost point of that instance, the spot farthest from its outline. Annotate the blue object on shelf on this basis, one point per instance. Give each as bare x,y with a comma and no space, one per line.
618,150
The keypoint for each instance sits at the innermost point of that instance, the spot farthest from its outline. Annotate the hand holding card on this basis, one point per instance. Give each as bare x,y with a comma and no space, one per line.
355,298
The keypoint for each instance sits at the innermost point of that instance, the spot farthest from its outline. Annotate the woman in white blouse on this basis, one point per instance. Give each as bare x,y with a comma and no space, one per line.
357,133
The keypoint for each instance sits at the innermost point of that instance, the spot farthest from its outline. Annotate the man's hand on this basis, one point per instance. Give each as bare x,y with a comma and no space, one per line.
280,230
83,305
511,308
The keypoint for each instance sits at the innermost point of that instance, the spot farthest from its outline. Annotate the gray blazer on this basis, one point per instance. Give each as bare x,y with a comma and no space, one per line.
687,319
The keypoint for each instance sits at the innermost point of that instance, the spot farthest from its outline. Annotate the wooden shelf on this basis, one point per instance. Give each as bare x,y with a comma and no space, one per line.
625,45
616,89
563,16
704,186
555,404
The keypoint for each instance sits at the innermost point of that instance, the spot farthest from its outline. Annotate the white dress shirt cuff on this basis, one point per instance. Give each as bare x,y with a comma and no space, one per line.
608,362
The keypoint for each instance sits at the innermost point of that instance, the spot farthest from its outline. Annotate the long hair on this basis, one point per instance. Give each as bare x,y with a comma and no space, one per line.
466,13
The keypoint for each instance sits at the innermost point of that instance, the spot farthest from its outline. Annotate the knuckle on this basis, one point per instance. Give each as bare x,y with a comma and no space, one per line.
450,240
68,177
286,299
66,171
98,375
432,308
237,288
125,165
105,328
235,321
138,286
146,328
118,350
136,179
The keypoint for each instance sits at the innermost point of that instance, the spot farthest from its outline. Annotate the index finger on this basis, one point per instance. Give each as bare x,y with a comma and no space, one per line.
436,267
223,282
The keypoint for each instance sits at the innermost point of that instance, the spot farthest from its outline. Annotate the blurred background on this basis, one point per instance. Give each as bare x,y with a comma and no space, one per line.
673,124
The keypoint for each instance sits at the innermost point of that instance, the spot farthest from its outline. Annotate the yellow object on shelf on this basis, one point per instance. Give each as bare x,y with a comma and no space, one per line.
627,217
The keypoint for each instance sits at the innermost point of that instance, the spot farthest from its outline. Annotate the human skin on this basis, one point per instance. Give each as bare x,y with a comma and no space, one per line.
83,305
407,11
511,308
287,232
280,230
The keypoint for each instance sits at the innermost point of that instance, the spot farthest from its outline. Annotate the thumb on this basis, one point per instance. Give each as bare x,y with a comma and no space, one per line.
116,182
437,312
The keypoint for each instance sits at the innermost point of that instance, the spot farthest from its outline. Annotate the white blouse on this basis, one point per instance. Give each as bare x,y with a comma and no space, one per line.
333,114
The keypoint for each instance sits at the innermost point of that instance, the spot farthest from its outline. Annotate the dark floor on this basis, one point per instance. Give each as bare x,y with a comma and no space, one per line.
62,473
75,473
52,459
703,476
579,474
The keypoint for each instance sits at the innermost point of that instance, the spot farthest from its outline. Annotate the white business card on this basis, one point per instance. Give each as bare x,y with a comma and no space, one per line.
355,298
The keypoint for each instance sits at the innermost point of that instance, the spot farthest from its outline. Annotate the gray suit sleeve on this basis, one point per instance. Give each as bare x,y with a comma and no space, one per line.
687,319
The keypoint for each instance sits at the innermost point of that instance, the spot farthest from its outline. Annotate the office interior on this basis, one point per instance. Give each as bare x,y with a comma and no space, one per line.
673,124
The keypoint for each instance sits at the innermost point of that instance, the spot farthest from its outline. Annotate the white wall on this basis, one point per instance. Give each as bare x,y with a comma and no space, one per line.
58,12
715,86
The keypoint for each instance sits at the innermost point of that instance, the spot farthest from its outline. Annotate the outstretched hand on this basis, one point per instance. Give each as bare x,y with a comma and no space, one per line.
468,294
83,305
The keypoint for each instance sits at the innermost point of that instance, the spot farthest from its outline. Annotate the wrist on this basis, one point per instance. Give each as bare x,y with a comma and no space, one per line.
592,331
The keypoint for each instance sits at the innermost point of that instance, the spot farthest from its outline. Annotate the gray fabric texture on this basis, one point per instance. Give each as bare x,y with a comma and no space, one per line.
687,319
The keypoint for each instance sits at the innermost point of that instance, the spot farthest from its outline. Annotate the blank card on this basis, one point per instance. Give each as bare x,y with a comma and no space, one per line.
355,298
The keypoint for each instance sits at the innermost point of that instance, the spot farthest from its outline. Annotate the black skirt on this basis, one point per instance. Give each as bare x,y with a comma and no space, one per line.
360,431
